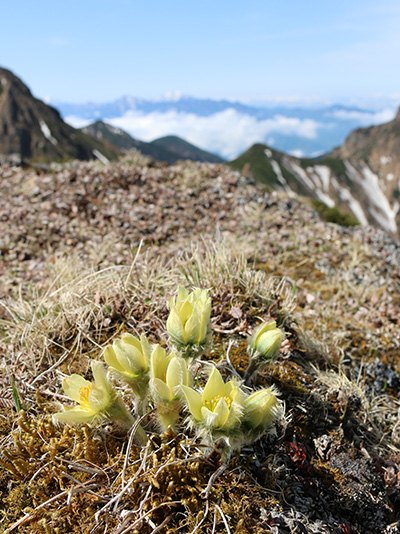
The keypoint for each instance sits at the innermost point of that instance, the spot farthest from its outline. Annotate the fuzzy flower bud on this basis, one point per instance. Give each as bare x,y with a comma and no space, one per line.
261,408
264,345
128,359
188,320
167,373
97,401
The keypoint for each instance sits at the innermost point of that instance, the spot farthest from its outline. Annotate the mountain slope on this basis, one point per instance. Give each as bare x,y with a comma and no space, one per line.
184,150
30,129
362,177
170,148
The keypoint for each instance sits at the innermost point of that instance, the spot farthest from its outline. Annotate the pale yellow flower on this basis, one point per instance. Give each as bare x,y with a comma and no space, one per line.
167,373
266,341
218,409
128,359
96,400
189,318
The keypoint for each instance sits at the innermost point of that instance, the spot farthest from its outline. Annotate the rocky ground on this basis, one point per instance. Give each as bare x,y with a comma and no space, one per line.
88,251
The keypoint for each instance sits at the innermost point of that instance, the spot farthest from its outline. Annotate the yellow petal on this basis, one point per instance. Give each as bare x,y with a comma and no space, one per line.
215,386
158,363
182,294
265,327
146,347
175,325
132,340
160,390
193,326
193,400
130,357
185,311
73,384
74,416
99,399
222,410
111,359
232,391
269,342
177,372
100,377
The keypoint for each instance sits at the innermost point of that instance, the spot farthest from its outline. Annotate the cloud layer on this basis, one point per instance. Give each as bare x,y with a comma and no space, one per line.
227,133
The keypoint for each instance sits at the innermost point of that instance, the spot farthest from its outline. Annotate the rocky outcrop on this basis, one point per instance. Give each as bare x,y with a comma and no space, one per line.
30,129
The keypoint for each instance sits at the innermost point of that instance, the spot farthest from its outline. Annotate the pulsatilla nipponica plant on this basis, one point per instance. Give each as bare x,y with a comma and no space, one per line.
223,413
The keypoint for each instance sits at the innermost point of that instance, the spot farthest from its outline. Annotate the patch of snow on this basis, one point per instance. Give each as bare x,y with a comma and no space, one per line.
3,81
279,175
268,153
354,205
301,174
100,156
380,207
389,177
46,132
324,173
115,130
385,160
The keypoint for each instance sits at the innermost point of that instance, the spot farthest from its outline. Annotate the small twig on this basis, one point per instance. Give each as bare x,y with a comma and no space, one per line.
202,521
223,518
56,364
130,527
130,441
125,488
206,492
80,467
166,520
229,360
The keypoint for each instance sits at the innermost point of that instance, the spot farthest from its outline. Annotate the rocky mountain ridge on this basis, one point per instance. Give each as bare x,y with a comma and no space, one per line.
362,176
30,129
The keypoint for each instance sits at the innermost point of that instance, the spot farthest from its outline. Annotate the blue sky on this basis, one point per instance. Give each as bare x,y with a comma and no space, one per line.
257,50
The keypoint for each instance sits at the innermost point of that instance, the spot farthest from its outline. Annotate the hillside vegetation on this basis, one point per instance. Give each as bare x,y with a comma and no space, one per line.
90,251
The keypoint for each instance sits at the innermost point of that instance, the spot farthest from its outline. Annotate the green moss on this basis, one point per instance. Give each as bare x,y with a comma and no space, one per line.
334,214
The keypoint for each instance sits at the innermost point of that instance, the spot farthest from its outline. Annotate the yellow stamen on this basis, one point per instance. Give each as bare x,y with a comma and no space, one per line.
84,397
213,402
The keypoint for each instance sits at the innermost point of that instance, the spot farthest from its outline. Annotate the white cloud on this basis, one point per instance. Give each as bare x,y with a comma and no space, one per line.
227,133
366,118
77,122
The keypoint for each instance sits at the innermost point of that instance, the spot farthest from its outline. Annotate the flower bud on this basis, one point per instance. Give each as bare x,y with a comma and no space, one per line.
264,345
167,373
128,359
260,409
188,320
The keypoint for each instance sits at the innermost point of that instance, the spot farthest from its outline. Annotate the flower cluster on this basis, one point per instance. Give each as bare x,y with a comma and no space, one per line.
227,412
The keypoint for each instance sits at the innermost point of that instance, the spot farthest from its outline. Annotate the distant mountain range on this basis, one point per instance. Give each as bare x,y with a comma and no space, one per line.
227,128
169,149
